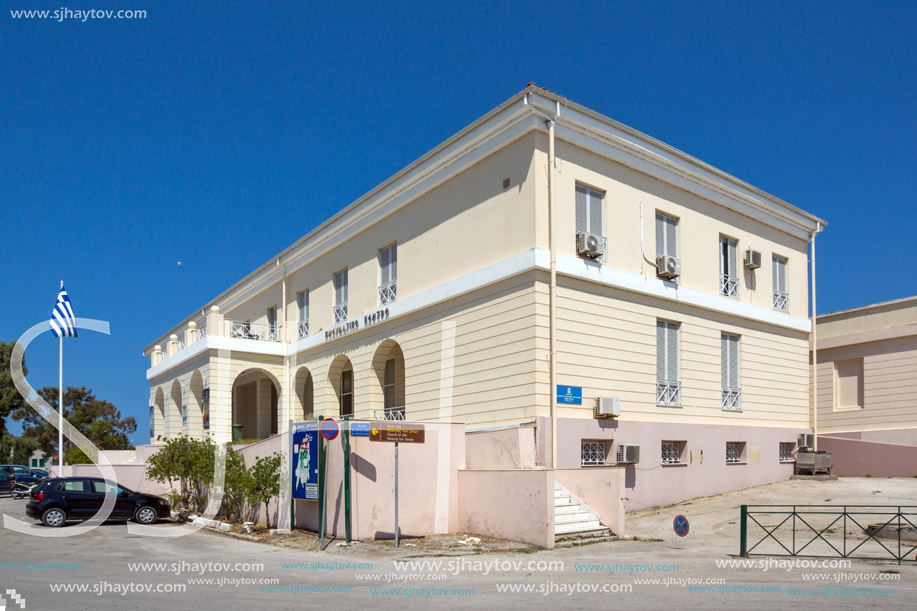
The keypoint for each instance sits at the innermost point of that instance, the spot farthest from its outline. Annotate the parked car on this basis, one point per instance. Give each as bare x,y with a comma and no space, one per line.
79,498
19,473
41,472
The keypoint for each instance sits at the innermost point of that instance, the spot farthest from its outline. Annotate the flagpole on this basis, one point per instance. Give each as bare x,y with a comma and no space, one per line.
60,402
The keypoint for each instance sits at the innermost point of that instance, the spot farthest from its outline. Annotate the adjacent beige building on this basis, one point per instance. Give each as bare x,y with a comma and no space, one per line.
468,285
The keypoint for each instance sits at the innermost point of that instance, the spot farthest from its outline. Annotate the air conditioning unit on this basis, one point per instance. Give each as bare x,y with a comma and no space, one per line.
806,440
607,407
668,266
752,259
589,245
628,453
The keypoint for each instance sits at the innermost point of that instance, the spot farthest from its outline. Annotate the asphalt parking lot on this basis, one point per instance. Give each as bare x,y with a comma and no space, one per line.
109,568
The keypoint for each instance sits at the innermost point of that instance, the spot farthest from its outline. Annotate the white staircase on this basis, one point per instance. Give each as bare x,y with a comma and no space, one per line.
574,517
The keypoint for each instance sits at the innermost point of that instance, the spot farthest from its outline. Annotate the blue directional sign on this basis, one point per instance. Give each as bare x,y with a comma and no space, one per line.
305,461
570,394
359,429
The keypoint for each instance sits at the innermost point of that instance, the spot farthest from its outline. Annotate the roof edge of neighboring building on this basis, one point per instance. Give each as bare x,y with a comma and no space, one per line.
899,303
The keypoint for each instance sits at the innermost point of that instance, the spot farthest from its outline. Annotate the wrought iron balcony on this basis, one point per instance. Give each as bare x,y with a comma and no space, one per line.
388,292
781,301
340,312
729,285
303,329
249,330
732,398
390,413
668,392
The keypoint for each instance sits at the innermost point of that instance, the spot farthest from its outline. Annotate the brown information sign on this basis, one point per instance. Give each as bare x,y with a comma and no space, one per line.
395,432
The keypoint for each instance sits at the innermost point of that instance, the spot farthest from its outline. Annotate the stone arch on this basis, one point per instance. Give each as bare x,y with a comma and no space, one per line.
388,379
341,379
305,392
194,427
174,410
159,416
255,401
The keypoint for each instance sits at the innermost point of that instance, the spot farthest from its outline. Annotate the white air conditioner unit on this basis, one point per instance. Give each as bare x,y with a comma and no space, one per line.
752,259
607,407
668,266
628,453
589,245
806,440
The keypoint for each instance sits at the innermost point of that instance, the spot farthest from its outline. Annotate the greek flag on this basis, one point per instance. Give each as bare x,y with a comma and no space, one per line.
63,322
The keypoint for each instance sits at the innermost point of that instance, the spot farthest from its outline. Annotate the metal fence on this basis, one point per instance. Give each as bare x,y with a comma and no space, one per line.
838,531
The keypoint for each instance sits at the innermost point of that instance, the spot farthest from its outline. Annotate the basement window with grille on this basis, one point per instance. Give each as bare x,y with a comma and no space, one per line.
786,451
594,452
672,451
735,451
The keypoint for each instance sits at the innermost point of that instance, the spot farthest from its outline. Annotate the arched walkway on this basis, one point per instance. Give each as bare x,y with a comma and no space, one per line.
173,411
305,392
388,370
159,416
194,424
340,376
255,397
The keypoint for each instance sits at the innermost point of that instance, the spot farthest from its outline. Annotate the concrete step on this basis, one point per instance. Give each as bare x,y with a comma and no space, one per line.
573,517
578,527
571,508
563,500
588,536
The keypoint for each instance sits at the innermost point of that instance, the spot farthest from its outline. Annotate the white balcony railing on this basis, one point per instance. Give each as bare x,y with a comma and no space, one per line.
250,330
390,413
668,392
201,333
340,312
781,301
303,328
729,285
732,398
388,292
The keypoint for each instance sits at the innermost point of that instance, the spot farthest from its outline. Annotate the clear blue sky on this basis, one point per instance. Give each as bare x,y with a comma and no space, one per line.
217,134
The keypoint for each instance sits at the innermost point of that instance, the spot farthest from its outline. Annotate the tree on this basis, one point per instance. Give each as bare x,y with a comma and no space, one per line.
264,483
16,450
10,399
97,419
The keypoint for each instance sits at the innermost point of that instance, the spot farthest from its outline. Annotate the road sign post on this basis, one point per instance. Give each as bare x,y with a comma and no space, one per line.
321,487
345,436
396,432
396,496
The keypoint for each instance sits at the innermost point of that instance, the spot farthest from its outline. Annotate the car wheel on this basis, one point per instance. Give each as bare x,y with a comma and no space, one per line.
54,517
146,515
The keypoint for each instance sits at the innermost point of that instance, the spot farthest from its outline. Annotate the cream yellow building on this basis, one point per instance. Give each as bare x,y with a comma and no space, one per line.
543,247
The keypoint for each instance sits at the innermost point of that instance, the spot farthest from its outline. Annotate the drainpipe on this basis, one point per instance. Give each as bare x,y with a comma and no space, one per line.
814,344
552,291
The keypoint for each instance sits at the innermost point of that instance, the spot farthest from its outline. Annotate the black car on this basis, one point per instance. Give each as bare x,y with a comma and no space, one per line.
18,473
79,498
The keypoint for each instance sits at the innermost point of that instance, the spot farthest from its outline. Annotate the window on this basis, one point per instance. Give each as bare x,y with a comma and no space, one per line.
76,485
672,452
786,450
848,384
273,331
735,452
732,394
103,487
347,393
666,235
340,296
781,298
593,452
388,385
388,276
302,302
729,267
668,387
590,213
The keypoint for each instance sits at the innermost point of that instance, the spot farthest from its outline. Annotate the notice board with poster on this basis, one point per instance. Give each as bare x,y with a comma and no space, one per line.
305,461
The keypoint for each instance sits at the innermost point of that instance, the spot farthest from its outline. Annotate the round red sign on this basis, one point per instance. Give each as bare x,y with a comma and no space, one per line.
681,526
329,428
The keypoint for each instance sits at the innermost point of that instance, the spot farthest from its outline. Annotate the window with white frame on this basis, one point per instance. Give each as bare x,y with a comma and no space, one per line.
273,331
593,452
388,274
729,267
732,393
781,297
786,450
672,452
666,235
668,386
340,296
735,451
302,303
590,213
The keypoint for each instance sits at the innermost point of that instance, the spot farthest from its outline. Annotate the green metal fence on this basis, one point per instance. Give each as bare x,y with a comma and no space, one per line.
845,530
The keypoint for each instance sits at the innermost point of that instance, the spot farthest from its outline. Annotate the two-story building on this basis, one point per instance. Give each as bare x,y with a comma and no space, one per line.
545,249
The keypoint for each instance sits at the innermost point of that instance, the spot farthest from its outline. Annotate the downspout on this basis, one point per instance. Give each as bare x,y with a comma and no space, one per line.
552,289
814,344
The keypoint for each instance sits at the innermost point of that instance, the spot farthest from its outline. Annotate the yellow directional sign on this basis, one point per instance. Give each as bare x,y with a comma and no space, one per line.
396,432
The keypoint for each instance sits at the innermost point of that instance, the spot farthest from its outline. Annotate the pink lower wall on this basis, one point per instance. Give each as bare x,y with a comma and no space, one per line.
854,457
602,488
132,477
512,448
508,504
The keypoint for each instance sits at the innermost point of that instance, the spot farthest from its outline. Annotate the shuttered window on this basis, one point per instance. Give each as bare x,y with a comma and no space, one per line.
729,267
781,298
666,350
590,211
302,302
666,235
730,371
388,274
340,287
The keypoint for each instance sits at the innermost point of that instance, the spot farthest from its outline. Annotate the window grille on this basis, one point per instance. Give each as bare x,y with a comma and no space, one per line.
302,301
781,298
671,452
668,387
732,393
388,274
786,450
593,452
340,296
734,451
729,265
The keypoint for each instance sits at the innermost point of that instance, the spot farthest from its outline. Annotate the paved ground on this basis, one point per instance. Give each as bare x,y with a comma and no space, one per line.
100,562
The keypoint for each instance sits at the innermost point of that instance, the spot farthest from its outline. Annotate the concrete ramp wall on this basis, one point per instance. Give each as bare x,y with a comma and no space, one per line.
855,457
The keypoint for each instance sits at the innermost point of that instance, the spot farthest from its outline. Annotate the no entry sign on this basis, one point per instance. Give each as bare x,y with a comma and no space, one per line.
329,428
681,526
